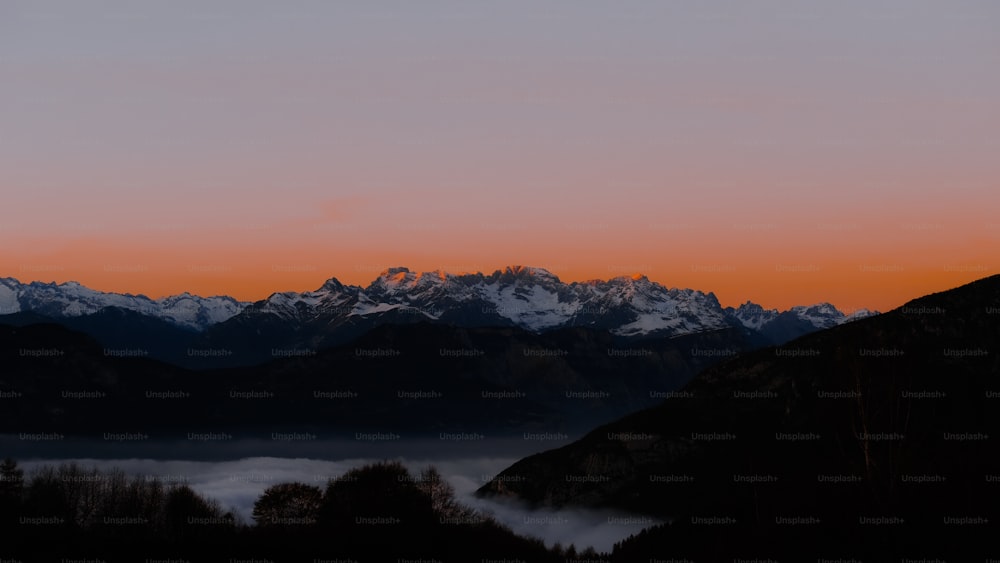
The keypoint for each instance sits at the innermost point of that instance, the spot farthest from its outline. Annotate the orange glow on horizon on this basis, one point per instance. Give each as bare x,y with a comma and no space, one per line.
777,266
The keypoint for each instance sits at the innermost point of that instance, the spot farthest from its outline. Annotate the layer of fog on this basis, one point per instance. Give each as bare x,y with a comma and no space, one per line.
236,484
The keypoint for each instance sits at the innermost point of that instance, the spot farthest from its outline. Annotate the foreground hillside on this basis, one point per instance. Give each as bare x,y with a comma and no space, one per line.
878,431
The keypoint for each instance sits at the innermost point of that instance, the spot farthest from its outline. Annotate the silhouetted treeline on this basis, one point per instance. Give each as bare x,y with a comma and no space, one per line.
378,512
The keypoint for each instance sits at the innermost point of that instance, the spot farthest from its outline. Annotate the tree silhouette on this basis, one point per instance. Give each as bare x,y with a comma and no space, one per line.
288,504
378,506
377,511
442,497
45,495
82,491
188,516
11,490
11,479
383,489
441,493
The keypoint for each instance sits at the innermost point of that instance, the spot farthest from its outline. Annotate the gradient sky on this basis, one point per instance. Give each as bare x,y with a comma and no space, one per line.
786,152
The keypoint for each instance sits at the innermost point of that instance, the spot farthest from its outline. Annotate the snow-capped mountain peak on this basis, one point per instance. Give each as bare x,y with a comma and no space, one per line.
72,299
752,315
9,302
857,314
399,278
332,284
529,297
528,271
820,315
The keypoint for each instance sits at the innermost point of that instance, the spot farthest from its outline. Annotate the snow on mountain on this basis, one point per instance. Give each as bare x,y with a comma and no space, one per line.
70,299
197,312
8,296
395,289
639,306
531,298
858,314
429,293
536,299
333,298
752,315
820,315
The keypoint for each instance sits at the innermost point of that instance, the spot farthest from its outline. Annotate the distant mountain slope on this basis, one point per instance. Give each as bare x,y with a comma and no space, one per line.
901,409
119,330
413,378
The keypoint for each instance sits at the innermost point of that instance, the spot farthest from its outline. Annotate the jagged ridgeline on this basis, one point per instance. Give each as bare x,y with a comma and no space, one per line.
197,332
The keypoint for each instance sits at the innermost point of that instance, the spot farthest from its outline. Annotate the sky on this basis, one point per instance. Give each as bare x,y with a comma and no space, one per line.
785,152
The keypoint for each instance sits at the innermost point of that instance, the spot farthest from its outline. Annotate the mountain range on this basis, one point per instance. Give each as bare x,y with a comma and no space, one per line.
532,299
71,299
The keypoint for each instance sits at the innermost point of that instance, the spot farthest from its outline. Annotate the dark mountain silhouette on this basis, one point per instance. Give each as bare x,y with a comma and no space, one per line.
116,328
890,417
424,378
